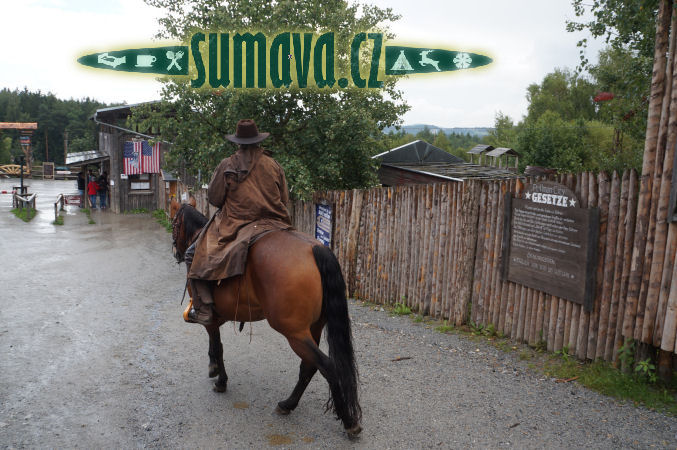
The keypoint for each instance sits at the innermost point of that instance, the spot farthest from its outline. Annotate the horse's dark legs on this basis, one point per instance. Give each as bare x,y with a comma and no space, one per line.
213,365
216,366
306,373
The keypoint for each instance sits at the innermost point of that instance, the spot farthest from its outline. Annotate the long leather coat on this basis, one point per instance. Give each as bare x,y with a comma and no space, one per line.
250,189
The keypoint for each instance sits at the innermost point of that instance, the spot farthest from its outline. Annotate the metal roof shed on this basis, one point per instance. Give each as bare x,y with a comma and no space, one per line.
479,149
497,153
416,152
421,163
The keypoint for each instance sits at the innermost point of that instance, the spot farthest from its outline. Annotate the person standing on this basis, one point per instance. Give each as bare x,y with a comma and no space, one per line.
103,189
92,187
81,188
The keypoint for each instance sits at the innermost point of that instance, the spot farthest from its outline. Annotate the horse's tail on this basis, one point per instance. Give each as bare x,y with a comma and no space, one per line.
339,335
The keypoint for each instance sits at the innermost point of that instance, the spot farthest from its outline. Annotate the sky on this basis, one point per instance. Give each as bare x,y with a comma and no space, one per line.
42,39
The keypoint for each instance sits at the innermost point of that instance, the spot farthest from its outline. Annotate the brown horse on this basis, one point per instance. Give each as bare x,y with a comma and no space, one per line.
296,284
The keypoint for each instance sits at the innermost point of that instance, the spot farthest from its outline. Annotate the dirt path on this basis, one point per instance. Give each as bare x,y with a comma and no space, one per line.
94,354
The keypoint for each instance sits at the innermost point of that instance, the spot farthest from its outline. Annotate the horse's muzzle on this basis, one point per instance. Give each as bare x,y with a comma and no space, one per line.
177,255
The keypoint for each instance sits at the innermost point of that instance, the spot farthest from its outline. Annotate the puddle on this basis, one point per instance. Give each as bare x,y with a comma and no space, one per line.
278,439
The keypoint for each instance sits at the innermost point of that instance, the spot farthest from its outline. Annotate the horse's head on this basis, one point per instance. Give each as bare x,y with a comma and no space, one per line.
186,225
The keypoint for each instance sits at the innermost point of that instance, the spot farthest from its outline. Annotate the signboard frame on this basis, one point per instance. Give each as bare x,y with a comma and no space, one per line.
544,284
324,232
47,170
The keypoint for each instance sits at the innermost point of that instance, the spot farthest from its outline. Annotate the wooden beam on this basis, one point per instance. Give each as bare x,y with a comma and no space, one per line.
18,126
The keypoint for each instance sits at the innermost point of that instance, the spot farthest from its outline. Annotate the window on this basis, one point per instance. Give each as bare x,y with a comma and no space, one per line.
139,182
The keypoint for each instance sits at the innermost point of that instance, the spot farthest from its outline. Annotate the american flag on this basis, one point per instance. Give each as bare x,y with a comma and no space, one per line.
132,158
151,157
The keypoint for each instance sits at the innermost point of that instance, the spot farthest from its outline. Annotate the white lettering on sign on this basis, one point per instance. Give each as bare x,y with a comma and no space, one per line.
549,199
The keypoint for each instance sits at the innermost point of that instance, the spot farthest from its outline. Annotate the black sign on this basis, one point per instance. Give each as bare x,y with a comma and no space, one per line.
323,224
550,243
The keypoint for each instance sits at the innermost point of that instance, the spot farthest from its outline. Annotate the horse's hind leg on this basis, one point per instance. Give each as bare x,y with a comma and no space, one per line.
216,366
310,353
306,373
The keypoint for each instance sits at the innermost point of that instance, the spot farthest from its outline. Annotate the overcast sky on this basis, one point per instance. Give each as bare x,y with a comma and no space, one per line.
41,40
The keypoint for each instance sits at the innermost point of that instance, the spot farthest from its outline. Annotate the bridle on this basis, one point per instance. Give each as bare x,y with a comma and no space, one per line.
177,224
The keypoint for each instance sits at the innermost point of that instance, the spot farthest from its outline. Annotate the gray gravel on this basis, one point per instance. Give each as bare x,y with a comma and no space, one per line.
94,354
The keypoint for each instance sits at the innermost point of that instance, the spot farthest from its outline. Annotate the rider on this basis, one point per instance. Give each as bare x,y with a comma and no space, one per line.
250,190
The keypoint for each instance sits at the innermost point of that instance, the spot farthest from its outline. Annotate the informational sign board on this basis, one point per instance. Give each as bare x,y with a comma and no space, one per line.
48,170
323,223
71,199
550,243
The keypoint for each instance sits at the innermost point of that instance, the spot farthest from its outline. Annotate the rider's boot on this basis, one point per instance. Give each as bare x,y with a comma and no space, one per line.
203,303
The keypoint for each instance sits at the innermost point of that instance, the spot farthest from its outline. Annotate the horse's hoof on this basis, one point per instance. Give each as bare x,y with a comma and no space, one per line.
354,431
281,410
213,370
220,387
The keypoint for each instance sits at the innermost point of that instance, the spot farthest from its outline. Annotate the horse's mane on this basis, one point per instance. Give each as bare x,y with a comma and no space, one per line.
193,220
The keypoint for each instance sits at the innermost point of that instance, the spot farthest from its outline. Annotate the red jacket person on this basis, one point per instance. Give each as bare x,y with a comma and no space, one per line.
250,190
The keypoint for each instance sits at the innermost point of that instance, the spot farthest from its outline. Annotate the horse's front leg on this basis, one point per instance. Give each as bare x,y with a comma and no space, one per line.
216,366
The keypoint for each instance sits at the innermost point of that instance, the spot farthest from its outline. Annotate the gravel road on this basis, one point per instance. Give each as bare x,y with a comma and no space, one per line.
94,354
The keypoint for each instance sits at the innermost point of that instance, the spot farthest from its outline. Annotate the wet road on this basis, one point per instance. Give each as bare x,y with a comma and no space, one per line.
94,354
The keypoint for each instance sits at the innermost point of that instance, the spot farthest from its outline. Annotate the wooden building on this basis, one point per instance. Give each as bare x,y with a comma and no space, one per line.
127,192
422,163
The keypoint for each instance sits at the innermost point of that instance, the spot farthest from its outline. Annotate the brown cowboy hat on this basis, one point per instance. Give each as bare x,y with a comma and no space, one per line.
246,133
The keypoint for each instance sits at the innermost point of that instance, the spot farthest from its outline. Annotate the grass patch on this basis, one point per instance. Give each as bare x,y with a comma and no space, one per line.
88,212
602,377
401,309
444,328
162,219
137,211
638,385
58,221
23,214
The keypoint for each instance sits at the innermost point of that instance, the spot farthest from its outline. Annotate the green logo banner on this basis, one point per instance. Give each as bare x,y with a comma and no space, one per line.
410,60
289,59
161,60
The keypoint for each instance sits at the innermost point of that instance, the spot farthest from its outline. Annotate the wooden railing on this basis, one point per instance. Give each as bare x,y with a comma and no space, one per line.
25,201
59,200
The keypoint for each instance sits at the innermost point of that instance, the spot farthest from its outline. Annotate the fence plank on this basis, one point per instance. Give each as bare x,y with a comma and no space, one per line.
608,269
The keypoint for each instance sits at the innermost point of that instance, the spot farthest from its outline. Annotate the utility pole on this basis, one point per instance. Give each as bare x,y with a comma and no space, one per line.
46,146
65,147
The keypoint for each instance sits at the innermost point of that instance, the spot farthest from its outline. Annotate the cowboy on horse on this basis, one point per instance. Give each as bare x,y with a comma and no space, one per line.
250,190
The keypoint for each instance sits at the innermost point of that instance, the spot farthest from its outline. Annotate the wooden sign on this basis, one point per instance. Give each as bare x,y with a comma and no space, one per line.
550,243
323,223
48,170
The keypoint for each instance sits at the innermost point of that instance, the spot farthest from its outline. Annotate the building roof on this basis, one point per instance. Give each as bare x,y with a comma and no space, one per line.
502,151
480,148
82,158
118,112
417,152
457,171
168,176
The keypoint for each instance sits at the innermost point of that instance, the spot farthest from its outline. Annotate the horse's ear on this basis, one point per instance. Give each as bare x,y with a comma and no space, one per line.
192,202
173,208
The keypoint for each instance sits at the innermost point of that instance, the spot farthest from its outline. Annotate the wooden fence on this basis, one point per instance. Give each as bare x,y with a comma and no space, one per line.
437,248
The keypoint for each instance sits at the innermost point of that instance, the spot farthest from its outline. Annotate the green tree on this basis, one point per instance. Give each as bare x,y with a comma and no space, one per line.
5,154
323,138
624,24
563,92
550,141
616,72
53,116
504,133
